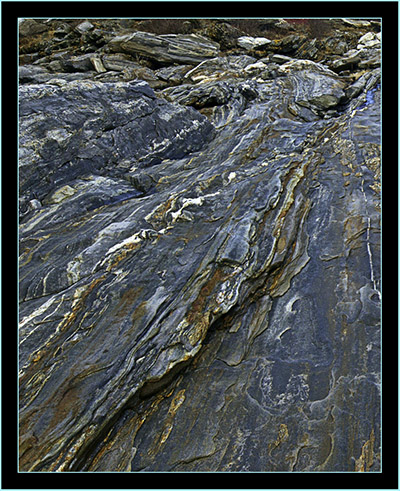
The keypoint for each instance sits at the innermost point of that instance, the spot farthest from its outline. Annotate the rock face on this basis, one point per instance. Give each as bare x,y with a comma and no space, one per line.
200,260
107,128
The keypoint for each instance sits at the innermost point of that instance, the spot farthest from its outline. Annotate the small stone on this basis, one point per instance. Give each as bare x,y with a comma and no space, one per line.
31,27
357,22
34,204
369,40
255,67
249,42
280,59
61,194
366,37
374,62
342,64
97,63
84,27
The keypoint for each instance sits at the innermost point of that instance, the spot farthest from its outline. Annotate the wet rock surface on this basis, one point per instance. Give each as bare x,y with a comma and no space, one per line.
199,247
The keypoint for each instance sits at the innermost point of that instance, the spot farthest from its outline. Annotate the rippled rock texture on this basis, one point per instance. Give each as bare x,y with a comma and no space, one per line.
200,263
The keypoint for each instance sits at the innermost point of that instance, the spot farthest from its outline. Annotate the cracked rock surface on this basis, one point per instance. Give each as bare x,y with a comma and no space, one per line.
199,251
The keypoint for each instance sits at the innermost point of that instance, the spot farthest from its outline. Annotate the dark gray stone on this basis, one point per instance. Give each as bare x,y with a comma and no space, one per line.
345,63
200,292
91,126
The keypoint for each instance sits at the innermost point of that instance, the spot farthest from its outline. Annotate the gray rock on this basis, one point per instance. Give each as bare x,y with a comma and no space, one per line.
200,294
35,204
365,82
174,75
167,48
30,27
33,74
221,68
356,22
314,87
82,63
369,40
249,42
287,45
336,45
254,68
98,64
84,27
345,63
373,62
128,70
119,62
204,95
280,59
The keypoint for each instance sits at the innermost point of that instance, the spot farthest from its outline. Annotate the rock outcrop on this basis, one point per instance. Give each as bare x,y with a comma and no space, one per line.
199,249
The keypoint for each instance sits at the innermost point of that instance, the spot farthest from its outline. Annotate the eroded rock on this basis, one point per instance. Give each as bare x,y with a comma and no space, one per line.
172,260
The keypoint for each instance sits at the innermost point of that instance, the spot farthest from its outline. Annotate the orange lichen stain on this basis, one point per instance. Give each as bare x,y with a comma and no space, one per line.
78,304
27,443
112,439
199,328
283,435
176,403
57,462
68,406
125,250
281,244
280,274
34,456
72,451
126,302
199,315
366,459
198,306
158,215
28,251
131,428
139,312
35,376
295,176
354,227
36,356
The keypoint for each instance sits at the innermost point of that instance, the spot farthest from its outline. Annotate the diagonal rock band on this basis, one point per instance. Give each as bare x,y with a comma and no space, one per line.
199,239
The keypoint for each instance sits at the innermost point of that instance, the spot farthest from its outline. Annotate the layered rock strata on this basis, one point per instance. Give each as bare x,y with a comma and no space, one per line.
200,260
